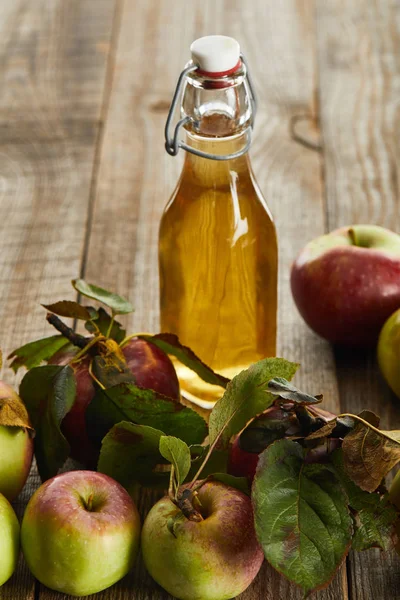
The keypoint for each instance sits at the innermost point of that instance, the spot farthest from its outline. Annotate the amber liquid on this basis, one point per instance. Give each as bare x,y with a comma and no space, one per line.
218,267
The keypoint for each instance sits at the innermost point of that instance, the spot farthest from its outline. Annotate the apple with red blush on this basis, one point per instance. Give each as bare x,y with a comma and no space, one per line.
80,533
16,450
151,368
276,423
212,553
347,283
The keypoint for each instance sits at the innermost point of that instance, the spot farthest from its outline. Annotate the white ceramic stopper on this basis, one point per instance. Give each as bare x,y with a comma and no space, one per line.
215,53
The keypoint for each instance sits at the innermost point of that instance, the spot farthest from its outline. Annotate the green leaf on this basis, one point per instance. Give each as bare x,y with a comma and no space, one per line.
246,397
374,513
130,453
103,323
301,516
239,483
170,344
177,453
118,304
283,388
265,429
126,402
217,463
34,353
67,308
49,393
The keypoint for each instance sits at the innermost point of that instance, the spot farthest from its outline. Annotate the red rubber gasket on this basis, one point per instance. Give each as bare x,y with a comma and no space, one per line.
215,75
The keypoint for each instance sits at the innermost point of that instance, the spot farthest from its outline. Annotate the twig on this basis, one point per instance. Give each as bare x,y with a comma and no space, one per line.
75,338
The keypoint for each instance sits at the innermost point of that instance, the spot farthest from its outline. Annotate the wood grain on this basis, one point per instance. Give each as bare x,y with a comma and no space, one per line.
136,178
53,57
76,201
359,77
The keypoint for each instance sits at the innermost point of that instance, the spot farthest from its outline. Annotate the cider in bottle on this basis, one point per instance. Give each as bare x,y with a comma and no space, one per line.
217,242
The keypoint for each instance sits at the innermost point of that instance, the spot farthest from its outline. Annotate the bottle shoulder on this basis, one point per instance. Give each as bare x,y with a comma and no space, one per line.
232,188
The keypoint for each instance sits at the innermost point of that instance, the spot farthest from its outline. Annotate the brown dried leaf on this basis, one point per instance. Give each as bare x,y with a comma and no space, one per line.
14,414
369,454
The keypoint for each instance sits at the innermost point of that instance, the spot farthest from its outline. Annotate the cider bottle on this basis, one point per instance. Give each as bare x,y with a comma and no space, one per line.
217,242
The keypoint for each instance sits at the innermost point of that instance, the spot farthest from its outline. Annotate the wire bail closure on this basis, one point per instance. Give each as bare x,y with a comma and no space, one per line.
172,141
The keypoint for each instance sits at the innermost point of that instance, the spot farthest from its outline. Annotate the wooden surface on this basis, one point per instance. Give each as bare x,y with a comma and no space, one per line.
86,86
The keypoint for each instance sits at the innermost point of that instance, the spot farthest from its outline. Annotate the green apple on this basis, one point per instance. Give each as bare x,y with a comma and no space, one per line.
213,559
9,540
80,533
394,496
389,351
16,452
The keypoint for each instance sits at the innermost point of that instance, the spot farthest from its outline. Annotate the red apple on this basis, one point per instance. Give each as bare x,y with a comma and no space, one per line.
152,369
214,559
274,424
80,533
16,452
242,463
347,283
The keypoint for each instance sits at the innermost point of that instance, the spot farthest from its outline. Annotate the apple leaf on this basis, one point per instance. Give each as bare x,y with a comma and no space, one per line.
368,453
33,354
127,402
103,322
246,397
109,367
301,516
170,344
118,304
49,393
216,463
264,430
283,388
239,483
14,414
74,310
177,453
374,514
130,453
338,427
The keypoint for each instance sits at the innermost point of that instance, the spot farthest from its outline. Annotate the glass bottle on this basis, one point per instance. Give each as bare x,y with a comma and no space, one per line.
217,241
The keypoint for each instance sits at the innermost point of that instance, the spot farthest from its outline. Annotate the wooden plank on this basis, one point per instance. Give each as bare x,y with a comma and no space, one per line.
53,57
359,65
136,178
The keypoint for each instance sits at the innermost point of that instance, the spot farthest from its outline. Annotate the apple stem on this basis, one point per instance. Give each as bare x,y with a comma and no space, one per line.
75,338
185,502
93,376
110,326
90,343
89,503
352,236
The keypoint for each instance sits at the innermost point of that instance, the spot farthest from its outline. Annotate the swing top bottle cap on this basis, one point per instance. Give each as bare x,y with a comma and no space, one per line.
216,55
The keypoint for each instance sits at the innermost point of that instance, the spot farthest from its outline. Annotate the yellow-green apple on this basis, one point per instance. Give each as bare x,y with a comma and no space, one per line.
389,351
151,368
394,496
213,559
9,540
16,451
80,533
347,283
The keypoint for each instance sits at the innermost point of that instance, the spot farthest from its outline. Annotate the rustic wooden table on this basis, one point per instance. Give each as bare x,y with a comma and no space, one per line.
85,90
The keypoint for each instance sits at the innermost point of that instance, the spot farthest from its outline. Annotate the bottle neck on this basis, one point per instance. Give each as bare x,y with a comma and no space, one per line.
220,147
